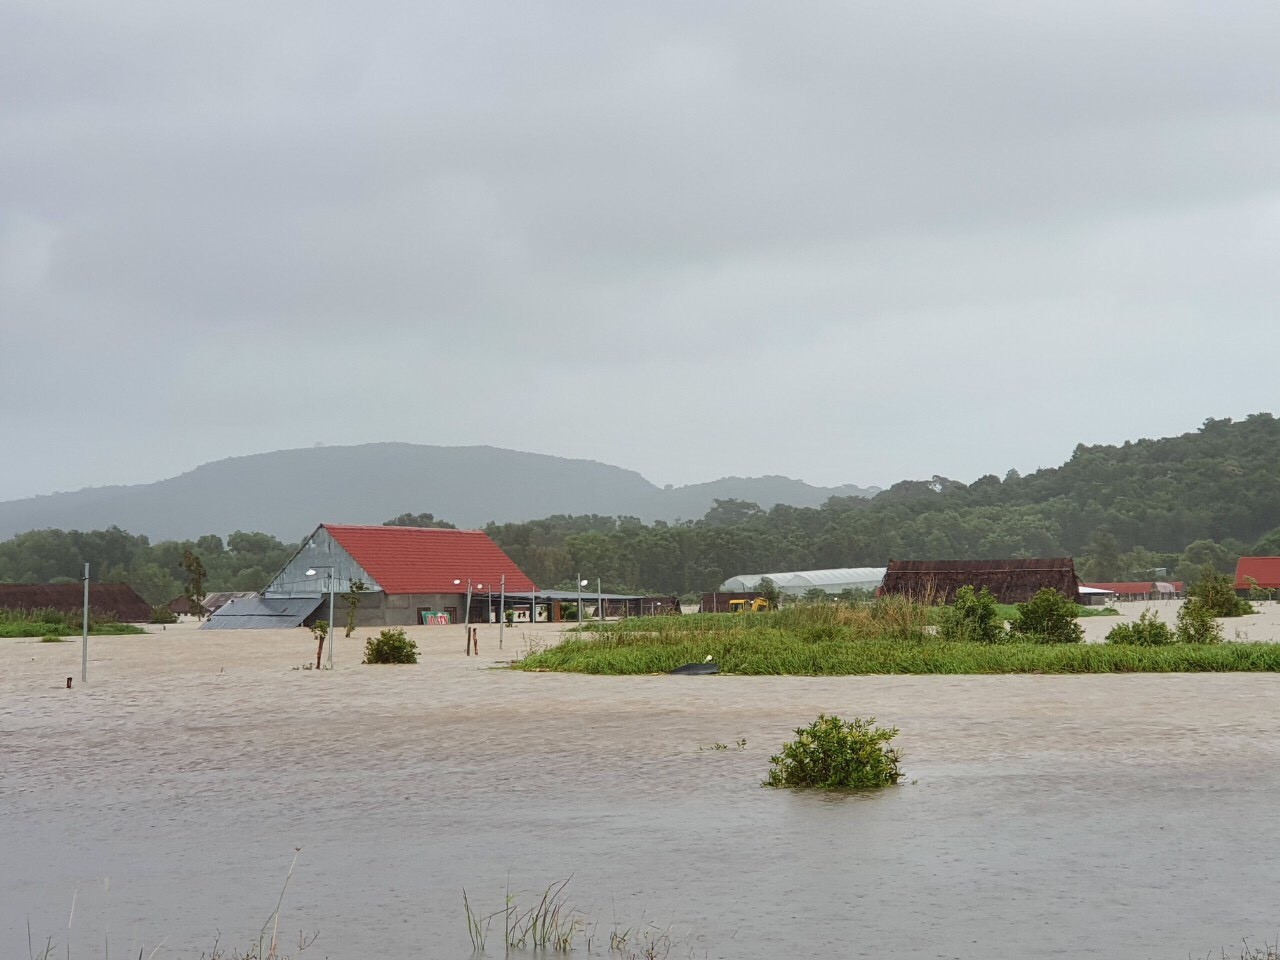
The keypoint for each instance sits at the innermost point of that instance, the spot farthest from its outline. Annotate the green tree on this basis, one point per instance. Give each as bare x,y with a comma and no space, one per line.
419,520
769,592
194,590
352,600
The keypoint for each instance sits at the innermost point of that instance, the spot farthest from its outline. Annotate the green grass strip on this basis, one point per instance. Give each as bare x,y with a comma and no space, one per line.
769,645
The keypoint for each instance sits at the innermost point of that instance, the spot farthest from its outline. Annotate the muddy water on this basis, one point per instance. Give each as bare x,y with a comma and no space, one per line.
1050,816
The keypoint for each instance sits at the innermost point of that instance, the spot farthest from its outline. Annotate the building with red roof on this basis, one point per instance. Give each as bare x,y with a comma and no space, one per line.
411,575
1264,571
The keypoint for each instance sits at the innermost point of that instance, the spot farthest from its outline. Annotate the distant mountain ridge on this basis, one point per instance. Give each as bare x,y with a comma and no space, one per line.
287,492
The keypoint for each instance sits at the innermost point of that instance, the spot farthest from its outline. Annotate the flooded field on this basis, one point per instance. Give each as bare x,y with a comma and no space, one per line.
1097,816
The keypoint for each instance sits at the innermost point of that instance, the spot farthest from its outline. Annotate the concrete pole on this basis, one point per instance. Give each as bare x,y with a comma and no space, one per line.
502,603
84,631
331,618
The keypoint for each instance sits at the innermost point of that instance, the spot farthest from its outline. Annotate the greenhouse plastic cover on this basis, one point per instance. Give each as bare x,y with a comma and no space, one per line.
800,581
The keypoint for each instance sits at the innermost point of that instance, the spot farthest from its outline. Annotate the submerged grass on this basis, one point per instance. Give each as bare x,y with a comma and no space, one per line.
49,622
886,637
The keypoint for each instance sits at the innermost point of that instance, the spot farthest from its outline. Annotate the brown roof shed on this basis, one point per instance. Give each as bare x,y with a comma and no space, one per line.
1010,581
117,600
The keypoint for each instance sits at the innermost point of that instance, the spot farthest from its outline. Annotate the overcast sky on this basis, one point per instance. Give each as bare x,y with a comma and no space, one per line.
844,242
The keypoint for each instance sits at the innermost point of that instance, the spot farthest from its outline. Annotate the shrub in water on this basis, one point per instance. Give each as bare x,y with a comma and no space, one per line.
1196,623
1147,631
1217,592
1048,617
163,614
390,646
974,617
834,754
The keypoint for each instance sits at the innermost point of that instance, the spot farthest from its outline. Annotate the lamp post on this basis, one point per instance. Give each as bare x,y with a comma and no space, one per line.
466,613
502,602
581,583
328,579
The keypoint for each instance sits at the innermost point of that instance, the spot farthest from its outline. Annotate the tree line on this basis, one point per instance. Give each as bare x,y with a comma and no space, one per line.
1144,510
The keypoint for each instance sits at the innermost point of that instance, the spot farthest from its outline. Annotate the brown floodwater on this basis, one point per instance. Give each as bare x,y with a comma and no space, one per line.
1118,817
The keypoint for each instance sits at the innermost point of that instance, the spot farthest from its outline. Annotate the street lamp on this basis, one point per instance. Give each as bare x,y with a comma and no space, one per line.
466,613
328,579
581,583
502,602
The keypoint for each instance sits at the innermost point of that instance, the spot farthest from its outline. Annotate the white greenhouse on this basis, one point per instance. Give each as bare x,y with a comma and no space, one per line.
799,582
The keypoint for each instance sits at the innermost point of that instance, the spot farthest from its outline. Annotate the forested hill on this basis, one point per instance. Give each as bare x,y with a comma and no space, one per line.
1220,483
1147,509
287,492
1129,511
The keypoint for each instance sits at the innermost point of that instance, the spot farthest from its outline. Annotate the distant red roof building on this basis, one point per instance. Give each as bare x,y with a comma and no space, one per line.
1264,570
427,560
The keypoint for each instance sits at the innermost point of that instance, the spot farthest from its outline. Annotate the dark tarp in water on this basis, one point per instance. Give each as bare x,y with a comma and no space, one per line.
697,669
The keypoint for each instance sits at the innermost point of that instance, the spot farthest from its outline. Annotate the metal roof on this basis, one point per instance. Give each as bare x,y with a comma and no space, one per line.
262,613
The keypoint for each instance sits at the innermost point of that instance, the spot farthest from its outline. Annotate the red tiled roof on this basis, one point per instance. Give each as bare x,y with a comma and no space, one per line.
428,559
1265,570
1136,586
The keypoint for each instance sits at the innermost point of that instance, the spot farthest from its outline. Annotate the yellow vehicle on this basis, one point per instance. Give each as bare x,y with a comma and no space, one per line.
756,605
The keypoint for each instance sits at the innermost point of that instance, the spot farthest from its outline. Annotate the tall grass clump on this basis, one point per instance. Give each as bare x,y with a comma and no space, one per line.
390,646
835,754
1048,617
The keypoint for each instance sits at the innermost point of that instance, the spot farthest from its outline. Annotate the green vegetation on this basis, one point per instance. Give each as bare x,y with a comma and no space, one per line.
56,623
162,614
834,754
352,600
390,646
1216,592
887,637
1048,617
1147,631
246,561
1196,623
973,618
193,589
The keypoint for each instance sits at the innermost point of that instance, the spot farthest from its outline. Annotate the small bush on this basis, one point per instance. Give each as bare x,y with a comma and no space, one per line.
833,754
1196,623
390,646
163,614
51,638
1147,631
1217,593
973,618
1048,617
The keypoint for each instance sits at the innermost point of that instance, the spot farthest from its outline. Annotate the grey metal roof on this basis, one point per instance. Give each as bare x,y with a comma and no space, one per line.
262,613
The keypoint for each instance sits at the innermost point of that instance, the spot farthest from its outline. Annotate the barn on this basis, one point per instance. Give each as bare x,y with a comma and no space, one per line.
107,601
1010,581
1262,572
411,575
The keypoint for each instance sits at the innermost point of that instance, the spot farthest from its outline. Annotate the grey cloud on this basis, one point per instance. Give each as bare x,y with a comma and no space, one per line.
827,223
